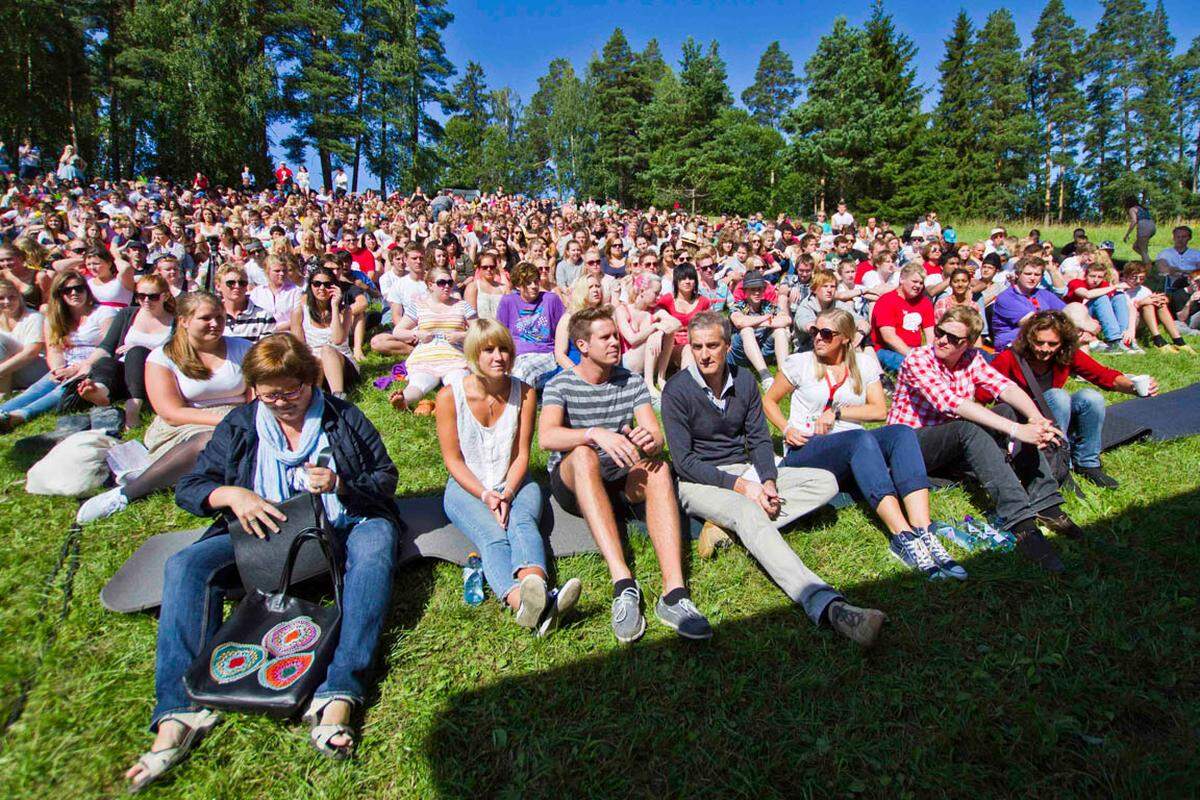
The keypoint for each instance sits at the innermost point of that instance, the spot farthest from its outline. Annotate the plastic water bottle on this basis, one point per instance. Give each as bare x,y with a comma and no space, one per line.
1006,540
957,534
473,580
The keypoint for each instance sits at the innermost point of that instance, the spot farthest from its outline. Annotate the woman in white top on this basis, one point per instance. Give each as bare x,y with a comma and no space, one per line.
193,381
484,289
644,330
74,326
111,284
485,428
120,374
22,341
833,391
321,322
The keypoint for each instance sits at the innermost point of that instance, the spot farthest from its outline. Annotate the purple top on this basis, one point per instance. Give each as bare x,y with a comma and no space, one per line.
532,324
1011,305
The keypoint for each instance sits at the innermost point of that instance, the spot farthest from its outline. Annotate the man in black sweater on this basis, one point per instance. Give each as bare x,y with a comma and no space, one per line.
723,455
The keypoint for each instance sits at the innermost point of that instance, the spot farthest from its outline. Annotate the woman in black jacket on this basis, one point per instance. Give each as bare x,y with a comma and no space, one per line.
120,374
260,455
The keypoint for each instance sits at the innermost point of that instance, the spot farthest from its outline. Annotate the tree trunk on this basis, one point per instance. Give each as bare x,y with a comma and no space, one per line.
358,138
1062,193
1196,164
326,166
1049,172
383,159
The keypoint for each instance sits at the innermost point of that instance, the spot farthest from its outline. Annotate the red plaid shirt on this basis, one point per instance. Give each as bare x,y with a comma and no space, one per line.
929,393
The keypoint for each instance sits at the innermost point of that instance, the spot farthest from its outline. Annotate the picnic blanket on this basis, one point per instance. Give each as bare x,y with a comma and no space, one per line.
1162,418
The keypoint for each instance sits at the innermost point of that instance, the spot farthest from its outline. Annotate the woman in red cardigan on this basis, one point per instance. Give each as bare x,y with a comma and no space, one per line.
1049,343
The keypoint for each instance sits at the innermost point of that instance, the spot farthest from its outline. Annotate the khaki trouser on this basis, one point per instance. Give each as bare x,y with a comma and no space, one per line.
802,490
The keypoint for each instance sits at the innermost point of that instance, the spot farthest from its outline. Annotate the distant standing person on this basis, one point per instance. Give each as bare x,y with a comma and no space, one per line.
1141,221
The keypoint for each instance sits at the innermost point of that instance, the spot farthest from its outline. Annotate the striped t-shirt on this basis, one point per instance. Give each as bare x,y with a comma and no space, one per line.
605,405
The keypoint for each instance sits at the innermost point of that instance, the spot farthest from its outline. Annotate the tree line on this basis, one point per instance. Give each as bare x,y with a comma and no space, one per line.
1064,126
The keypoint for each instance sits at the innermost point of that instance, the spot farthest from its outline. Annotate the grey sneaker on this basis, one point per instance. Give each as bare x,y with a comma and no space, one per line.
684,618
532,592
560,603
627,621
859,625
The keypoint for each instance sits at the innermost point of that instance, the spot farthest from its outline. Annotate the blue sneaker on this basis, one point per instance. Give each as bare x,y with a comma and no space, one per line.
949,567
912,553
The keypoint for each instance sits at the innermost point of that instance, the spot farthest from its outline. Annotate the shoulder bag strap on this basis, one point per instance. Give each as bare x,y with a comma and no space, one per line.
1035,389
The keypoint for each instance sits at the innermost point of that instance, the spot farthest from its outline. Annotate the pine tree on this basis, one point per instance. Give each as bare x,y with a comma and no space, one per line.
556,125
430,69
619,90
652,63
775,87
462,146
1055,99
1187,115
898,100
1159,174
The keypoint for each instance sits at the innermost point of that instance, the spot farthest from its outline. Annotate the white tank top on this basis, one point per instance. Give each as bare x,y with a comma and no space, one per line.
487,451
136,338
110,293
319,337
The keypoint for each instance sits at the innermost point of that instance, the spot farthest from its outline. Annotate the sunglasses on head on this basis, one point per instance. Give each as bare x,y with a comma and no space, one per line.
75,288
148,297
954,340
824,334
443,283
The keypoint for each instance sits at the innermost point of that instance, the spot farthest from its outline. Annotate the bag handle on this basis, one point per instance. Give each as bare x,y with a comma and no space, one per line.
1035,388
319,533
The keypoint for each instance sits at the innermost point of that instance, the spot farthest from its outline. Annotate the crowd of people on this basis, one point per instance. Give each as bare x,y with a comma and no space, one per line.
241,319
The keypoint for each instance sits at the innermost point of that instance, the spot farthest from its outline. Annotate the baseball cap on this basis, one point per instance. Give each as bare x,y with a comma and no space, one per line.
950,235
753,280
1107,244
996,231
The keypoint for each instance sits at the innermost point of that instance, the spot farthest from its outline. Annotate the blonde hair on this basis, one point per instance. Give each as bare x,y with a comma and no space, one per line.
967,316
579,292
821,277
179,347
483,334
843,323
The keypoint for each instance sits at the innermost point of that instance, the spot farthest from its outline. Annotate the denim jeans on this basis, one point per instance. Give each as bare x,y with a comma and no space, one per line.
39,398
1113,315
890,360
194,586
883,462
504,552
1081,417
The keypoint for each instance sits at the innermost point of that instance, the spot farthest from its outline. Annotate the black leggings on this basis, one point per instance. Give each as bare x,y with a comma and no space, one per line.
125,380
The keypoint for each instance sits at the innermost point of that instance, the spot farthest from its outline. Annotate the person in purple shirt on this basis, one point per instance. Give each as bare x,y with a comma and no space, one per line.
1025,298
531,316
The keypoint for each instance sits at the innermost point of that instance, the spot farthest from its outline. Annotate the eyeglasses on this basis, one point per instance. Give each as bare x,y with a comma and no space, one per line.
282,397
75,288
824,334
234,283
320,284
149,297
443,283
942,333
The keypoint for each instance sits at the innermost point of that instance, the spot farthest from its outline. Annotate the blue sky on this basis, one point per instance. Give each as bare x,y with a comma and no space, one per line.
515,41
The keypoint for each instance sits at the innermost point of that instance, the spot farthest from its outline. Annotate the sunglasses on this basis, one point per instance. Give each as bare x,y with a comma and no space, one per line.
942,333
443,283
77,288
149,297
234,283
78,251
592,261
320,284
824,334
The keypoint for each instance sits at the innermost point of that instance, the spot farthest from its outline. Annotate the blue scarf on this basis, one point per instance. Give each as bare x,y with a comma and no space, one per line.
279,472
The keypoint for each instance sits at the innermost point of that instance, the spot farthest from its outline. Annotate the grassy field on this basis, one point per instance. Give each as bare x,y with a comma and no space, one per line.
1011,684
976,231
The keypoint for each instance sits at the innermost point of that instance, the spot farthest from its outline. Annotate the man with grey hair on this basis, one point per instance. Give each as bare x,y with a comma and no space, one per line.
721,450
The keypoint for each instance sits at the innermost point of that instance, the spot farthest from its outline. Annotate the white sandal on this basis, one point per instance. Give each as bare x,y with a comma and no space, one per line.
320,734
156,763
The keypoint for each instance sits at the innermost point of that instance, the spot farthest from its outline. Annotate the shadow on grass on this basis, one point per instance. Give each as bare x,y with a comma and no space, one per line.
1011,684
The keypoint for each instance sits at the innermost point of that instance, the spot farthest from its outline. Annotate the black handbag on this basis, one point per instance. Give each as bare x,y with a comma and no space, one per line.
273,651
1057,455
258,559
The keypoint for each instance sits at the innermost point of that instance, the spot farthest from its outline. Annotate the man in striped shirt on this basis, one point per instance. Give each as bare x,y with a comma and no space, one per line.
598,423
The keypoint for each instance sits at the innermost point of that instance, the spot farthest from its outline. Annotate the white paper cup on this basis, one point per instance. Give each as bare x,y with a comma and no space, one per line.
1141,384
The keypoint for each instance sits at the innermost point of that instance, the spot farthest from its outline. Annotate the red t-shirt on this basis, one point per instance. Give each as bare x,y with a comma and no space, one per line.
282,175
667,302
863,268
1081,285
909,318
932,268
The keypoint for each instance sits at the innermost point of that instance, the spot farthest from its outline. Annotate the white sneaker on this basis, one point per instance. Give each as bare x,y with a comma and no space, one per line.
102,505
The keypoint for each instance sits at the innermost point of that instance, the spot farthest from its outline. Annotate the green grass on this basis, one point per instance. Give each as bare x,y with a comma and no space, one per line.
1012,684
973,231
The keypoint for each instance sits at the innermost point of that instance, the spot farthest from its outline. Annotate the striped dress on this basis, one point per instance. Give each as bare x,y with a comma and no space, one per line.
438,357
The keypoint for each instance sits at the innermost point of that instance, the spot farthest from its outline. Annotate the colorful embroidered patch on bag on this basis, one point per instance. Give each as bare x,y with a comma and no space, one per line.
283,672
232,661
292,636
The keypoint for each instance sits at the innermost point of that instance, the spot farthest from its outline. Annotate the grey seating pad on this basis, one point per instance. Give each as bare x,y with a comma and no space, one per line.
138,584
1168,416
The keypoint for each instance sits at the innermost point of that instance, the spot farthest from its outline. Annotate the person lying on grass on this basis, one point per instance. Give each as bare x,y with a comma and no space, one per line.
723,455
600,427
485,430
260,455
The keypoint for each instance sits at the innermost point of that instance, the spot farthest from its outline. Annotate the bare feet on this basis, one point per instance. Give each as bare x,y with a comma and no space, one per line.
397,400
94,393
